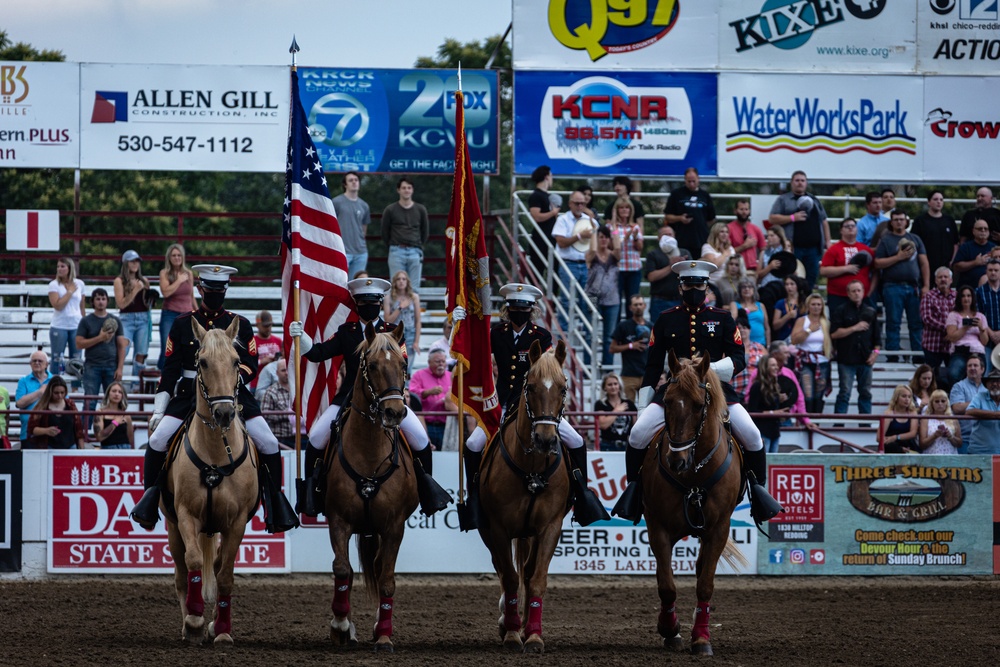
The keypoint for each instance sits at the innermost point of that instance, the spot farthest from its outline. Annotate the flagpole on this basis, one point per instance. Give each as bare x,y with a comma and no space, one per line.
296,315
461,367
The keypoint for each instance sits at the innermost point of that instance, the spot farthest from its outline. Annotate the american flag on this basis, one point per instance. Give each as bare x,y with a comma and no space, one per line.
312,254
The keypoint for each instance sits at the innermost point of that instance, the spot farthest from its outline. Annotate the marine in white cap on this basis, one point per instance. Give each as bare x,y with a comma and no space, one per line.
175,400
510,340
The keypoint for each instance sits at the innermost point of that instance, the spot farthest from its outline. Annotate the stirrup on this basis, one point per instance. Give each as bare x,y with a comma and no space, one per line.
629,505
433,497
587,507
763,506
469,512
310,497
146,512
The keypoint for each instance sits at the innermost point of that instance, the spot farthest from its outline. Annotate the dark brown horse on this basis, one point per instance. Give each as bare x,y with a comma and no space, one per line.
214,486
524,495
371,486
691,483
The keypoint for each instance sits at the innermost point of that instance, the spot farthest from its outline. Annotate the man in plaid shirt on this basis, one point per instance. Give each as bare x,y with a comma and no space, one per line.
754,352
278,398
934,309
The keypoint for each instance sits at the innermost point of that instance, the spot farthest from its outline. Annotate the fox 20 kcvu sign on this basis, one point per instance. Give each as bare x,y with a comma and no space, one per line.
91,495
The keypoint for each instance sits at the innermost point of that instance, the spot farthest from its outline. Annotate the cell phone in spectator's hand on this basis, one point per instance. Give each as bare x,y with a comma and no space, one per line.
969,322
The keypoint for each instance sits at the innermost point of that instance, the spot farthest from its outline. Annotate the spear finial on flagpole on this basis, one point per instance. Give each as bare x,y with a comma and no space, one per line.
459,76
293,49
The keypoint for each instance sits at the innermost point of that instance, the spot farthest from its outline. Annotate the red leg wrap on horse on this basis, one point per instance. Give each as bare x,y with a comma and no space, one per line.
700,629
341,604
384,626
511,617
668,625
224,615
534,623
194,602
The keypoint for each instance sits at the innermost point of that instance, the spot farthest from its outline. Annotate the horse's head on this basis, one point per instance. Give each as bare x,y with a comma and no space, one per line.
689,398
382,375
218,366
545,396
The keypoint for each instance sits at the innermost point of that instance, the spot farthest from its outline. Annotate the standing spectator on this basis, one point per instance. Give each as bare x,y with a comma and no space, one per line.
962,394
354,216
779,352
631,339
845,261
544,212
985,411
873,216
888,201
988,299
616,427
177,287
664,284
938,231
967,332
747,238
588,193
811,335
30,389
939,435
728,286
56,431
101,337
602,284
770,278
771,393
789,309
133,298
691,213
268,345
934,309
972,256
750,305
432,385
66,297
899,436
984,210
854,332
717,250
754,352
405,230
278,398
805,223
114,431
628,236
905,279
922,385
622,185
403,306
571,246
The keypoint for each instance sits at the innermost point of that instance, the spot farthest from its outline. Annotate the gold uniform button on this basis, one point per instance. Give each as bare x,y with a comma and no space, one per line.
513,368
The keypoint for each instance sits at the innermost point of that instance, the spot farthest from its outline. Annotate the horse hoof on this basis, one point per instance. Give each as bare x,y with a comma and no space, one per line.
223,641
194,630
701,648
675,643
384,645
344,638
512,641
534,644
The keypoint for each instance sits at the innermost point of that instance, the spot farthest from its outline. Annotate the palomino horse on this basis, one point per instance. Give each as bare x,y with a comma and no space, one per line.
214,486
524,496
691,483
371,486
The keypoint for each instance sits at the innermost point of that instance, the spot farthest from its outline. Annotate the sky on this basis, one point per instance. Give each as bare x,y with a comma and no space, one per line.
330,33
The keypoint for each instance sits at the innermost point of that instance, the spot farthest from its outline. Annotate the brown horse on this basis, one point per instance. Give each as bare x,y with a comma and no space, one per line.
371,487
691,483
524,496
214,486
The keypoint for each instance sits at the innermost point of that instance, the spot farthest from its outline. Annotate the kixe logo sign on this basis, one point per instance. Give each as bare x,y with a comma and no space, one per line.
943,126
788,24
110,107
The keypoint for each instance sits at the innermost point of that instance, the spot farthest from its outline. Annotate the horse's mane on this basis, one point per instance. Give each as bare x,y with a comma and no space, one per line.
547,365
216,341
687,382
383,343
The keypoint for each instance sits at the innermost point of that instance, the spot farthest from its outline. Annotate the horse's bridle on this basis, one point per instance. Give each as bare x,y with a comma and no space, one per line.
212,401
684,445
375,406
544,419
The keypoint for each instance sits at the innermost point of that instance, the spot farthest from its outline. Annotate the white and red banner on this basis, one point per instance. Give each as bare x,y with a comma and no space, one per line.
32,230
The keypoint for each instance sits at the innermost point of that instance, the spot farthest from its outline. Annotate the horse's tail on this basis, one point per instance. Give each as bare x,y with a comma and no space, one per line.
209,585
734,557
368,548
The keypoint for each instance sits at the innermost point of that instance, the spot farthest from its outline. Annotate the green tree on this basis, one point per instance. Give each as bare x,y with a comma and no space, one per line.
25,51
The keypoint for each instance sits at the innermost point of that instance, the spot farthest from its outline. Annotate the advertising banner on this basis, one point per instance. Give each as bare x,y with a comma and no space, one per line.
818,35
90,531
887,514
961,128
609,34
638,123
845,128
183,117
435,544
958,36
32,230
39,117
402,121
11,476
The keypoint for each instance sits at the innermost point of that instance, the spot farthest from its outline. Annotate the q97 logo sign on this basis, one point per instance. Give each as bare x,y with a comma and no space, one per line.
614,26
399,120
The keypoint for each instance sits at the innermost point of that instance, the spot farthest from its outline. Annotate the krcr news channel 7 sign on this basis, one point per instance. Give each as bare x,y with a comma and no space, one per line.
378,121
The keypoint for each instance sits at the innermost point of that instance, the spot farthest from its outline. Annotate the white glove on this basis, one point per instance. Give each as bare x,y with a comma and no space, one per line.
159,408
643,398
305,341
458,314
295,329
723,368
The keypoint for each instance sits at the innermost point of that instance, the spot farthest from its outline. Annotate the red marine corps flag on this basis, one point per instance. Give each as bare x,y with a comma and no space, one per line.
467,267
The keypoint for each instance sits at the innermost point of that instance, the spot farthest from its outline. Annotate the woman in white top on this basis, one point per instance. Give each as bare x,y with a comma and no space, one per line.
66,297
811,335
717,250
939,435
